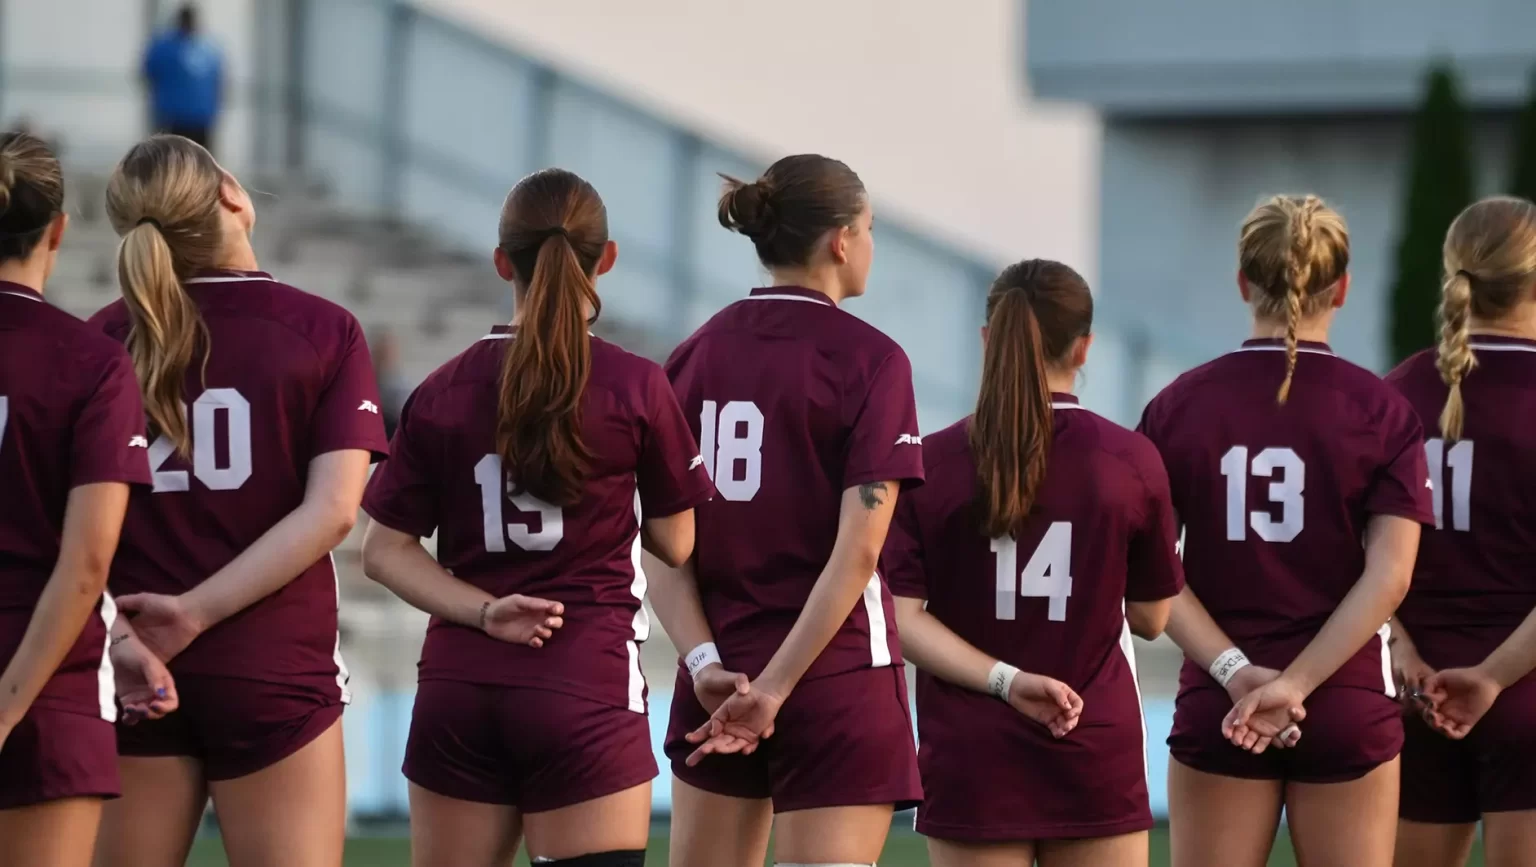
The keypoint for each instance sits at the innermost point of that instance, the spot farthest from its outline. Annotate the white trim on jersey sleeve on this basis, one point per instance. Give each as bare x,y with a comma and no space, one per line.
106,679
642,621
879,634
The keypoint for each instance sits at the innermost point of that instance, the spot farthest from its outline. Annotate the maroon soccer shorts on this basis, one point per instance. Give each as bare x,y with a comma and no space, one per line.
54,754
533,749
839,741
236,727
1348,732
1492,770
1004,778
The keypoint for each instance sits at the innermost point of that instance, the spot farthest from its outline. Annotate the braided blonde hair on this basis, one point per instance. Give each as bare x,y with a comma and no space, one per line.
1490,267
1292,251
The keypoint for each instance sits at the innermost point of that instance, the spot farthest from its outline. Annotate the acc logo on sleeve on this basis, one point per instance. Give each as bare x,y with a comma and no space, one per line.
368,406
138,442
909,440
698,461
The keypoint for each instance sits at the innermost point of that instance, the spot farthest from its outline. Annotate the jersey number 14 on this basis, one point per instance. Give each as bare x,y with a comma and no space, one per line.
1048,573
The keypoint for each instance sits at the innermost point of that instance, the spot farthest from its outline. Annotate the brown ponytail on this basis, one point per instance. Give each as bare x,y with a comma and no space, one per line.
1490,266
1292,251
31,193
554,228
164,202
1036,310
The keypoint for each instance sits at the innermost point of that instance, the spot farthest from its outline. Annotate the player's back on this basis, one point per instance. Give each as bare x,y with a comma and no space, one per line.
1050,600
793,401
1275,498
69,415
1475,566
287,377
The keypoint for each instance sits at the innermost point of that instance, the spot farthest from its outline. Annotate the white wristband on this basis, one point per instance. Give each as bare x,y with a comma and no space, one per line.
701,656
1000,680
1227,665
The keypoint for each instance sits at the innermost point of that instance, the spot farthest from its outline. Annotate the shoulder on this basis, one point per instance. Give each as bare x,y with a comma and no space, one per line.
1132,449
330,329
112,320
1412,368
948,445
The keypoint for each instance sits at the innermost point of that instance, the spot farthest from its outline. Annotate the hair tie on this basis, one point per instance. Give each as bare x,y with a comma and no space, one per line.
1467,274
557,230
151,221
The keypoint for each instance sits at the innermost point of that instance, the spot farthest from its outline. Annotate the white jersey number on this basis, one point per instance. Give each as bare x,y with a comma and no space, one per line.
1457,463
494,487
1048,573
731,443
205,459
1285,490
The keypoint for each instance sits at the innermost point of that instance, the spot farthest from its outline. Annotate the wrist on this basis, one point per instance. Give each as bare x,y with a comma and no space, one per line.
1297,682
772,685
482,615
701,657
198,611
1226,665
1000,680
1495,670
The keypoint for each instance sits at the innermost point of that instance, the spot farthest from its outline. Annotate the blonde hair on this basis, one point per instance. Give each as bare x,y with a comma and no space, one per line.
1292,250
163,200
1490,267
31,193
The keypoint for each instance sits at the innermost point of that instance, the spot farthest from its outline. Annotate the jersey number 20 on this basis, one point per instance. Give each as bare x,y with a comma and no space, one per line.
205,459
1048,572
1285,490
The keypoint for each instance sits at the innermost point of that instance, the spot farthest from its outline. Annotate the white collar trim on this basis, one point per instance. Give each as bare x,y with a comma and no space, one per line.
825,303
254,278
1303,349
1061,404
22,295
1502,347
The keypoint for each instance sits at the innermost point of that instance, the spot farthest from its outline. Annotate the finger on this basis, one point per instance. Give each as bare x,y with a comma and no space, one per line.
743,684
133,603
535,642
554,622
767,732
1262,745
542,632
1298,713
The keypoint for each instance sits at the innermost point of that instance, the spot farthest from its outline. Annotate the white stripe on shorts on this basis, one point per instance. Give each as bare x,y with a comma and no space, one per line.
641,622
1128,648
1388,682
879,639
106,681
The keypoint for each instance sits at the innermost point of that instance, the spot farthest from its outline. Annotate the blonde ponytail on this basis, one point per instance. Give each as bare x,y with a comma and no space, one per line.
167,331
1454,355
164,201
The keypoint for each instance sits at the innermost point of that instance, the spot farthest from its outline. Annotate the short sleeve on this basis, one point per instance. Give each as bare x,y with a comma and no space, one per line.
671,472
901,562
1154,570
403,492
109,442
1401,486
348,415
884,444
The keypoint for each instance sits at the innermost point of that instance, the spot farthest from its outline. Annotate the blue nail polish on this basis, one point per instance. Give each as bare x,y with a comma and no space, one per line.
160,692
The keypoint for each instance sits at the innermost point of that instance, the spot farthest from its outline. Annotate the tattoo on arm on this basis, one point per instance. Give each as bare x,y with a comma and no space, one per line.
870,495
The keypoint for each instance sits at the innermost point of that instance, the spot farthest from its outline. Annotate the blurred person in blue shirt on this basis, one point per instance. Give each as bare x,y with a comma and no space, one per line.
185,73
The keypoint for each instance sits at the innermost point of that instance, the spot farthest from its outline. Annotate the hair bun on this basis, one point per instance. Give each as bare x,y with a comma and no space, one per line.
748,208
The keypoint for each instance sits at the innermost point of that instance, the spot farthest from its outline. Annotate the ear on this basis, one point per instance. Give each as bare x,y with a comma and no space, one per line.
984,331
837,244
610,256
1244,289
1080,350
55,234
1343,290
231,196
504,265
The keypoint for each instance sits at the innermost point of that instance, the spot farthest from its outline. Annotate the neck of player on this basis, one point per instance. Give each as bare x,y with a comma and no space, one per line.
1061,381
236,253
1313,329
31,272
823,280
1521,322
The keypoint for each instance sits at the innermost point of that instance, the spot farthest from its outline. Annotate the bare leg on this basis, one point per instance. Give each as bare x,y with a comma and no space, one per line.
54,834
292,814
832,835
1510,839
948,853
710,830
1425,844
617,822
154,822
1122,850
1351,824
1217,821
447,832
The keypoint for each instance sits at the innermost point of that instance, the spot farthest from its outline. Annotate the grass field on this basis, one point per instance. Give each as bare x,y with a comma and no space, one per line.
905,849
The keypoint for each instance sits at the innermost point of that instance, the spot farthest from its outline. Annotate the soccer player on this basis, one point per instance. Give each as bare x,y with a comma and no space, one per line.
71,443
1470,611
263,415
808,424
1300,483
544,458
1042,539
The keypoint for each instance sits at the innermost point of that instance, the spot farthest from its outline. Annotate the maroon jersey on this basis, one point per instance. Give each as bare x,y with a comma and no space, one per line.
288,378
70,415
1477,566
793,401
1275,499
445,475
1051,599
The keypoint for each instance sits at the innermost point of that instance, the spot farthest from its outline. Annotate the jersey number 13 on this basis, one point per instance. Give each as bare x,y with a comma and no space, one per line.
1289,478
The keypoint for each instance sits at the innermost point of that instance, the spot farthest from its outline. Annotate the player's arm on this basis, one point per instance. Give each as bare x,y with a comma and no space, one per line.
398,561
320,523
1148,619
863,520
1456,699
1195,632
1391,545
93,518
669,539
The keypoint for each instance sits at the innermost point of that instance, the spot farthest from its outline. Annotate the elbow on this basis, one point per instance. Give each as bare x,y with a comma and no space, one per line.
673,552
1147,620
669,539
337,523
1395,585
1148,630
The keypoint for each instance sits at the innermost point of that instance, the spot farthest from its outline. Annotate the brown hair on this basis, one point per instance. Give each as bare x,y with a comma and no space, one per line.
31,193
1490,267
1292,251
787,210
554,227
1036,309
164,201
